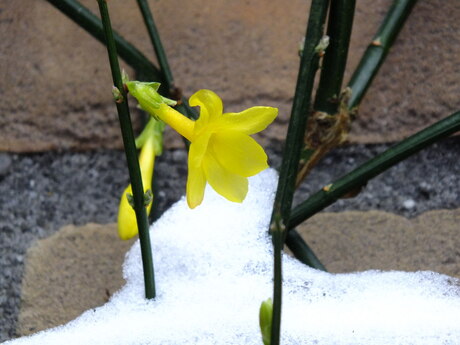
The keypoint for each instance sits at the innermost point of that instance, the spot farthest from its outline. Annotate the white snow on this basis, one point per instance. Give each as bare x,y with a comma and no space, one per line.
213,268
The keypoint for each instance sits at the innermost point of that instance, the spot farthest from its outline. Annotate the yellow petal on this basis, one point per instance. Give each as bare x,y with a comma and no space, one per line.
231,186
196,183
238,153
198,149
211,107
251,120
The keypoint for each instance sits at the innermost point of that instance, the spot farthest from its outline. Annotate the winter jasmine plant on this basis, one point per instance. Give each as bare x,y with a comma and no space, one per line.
223,154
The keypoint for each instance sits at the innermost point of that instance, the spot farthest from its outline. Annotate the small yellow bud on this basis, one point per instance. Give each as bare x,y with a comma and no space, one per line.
265,320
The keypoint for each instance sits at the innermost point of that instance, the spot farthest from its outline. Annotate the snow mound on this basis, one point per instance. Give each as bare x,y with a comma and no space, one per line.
213,268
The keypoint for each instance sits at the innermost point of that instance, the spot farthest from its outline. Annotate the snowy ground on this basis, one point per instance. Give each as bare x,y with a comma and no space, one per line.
214,268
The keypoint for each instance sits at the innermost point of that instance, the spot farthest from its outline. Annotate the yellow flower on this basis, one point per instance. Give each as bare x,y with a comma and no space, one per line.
127,223
222,153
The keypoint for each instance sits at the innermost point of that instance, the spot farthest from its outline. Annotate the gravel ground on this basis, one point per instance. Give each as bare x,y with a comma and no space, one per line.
39,193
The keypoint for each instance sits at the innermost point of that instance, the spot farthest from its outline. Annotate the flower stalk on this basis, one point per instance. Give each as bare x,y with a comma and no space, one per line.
302,250
291,154
359,176
340,24
329,124
378,49
131,155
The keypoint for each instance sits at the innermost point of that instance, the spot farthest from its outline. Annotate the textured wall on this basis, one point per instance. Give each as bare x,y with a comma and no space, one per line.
55,81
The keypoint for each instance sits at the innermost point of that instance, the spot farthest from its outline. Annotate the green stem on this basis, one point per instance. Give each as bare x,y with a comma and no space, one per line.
378,49
131,155
340,23
291,156
358,177
157,45
302,251
92,24
278,240
300,110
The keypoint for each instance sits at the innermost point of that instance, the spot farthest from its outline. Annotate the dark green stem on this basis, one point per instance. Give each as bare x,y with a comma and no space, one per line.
300,110
302,251
157,45
359,177
131,155
92,24
378,49
291,156
278,240
340,23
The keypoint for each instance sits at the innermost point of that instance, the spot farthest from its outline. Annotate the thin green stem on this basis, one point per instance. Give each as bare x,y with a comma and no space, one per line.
340,23
302,250
157,45
378,49
359,177
278,241
131,155
291,156
93,25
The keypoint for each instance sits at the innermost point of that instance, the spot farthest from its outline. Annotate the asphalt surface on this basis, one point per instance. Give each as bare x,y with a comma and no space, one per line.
40,193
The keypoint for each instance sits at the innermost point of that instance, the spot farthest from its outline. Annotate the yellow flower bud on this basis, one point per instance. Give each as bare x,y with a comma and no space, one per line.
265,320
127,223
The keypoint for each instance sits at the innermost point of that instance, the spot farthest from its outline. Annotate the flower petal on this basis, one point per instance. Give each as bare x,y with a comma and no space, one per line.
210,104
238,153
196,183
198,149
231,186
251,120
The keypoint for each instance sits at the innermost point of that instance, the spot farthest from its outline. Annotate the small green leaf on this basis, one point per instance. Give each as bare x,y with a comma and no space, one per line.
117,96
130,198
148,197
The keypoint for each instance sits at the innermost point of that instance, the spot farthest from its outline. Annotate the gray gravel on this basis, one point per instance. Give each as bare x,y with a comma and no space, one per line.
40,193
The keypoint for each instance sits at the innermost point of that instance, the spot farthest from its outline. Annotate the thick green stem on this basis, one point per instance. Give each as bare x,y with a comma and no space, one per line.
302,251
378,49
320,140
359,177
296,130
92,24
340,23
131,155
157,45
